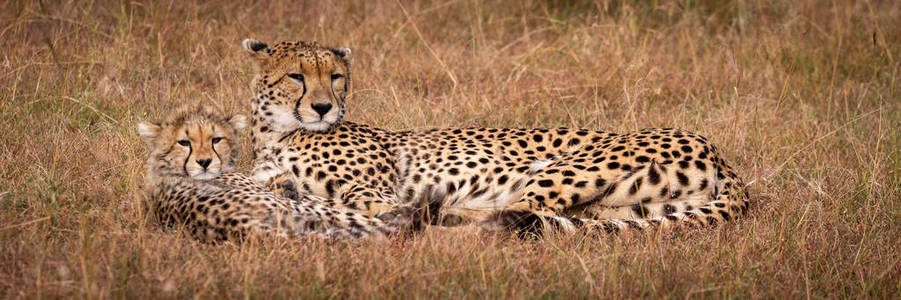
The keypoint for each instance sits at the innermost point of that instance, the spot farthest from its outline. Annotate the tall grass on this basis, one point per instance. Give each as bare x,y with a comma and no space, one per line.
803,97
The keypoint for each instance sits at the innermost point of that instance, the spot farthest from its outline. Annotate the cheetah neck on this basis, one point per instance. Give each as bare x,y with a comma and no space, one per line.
261,135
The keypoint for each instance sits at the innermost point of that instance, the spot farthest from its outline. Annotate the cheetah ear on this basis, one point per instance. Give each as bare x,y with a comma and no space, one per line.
149,131
238,121
344,53
255,48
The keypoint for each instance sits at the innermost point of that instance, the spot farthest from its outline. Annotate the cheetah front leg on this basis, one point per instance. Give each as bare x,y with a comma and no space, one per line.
371,201
283,185
383,205
263,173
368,199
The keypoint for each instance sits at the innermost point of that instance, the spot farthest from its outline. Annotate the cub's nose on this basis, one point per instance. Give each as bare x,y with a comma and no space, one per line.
321,108
204,162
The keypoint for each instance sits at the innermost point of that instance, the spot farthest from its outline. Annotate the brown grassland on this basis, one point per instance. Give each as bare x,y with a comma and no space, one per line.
803,97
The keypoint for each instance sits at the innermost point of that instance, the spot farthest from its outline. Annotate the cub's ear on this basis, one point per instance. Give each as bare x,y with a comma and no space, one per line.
255,48
238,121
148,131
344,52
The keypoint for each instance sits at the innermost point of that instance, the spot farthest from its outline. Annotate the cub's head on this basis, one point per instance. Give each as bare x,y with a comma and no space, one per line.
199,142
298,85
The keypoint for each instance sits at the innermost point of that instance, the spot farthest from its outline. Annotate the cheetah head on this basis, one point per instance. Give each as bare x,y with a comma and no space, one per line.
298,85
199,142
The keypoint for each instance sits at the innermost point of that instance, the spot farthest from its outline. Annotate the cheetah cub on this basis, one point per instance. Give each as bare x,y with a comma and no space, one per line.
190,182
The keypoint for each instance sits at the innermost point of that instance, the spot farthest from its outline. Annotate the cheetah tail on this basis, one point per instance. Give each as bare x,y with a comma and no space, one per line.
730,202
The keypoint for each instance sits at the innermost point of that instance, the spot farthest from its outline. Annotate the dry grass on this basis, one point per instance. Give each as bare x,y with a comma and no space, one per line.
802,96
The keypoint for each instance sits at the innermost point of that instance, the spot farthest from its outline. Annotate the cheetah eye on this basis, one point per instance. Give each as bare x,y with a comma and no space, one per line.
337,76
185,143
216,140
296,76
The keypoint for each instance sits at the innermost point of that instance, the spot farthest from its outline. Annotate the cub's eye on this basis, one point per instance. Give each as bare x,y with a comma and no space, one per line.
337,76
216,140
296,76
185,143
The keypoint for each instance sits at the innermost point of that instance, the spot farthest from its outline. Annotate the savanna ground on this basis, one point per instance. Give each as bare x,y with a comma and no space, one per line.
801,96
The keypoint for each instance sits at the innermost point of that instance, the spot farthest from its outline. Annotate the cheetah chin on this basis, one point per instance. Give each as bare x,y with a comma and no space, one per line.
322,124
206,175
316,126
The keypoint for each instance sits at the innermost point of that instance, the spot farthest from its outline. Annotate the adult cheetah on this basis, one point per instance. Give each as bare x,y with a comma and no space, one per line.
525,178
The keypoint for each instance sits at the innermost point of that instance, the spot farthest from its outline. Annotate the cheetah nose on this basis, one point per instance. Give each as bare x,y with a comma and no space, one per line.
205,162
321,108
